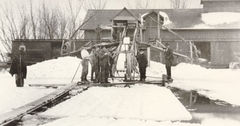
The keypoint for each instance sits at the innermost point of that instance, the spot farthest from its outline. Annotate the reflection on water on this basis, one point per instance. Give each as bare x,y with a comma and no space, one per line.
205,110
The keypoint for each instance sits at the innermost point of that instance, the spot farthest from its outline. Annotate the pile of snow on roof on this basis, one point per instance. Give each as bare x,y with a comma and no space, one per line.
218,18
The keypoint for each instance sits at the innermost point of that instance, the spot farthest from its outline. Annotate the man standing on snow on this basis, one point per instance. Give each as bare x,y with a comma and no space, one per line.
94,64
85,61
84,69
104,65
19,67
168,61
142,64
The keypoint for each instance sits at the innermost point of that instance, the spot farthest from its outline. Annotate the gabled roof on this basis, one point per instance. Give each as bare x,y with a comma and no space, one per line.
124,14
180,18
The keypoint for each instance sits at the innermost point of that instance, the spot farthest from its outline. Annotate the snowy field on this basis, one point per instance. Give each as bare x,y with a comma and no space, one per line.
221,84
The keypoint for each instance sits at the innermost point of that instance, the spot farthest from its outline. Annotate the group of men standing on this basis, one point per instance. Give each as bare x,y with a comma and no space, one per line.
101,60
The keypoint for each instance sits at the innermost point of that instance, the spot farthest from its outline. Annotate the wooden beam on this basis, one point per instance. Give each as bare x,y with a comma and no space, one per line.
174,53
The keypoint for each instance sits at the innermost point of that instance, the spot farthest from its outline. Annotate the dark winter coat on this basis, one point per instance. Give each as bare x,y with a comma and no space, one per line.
18,69
142,60
169,57
104,65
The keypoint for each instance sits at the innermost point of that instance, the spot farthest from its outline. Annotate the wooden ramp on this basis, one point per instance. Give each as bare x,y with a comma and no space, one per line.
30,107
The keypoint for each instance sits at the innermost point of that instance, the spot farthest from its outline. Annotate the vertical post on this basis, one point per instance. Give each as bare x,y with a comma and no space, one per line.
74,45
62,47
177,48
148,55
158,27
191,51
141,34
190,99
20,75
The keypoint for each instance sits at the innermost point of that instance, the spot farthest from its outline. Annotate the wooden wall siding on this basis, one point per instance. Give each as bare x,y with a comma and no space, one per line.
221,53
203,35
221,6
205,49
35,52
235,47
150,27
91,34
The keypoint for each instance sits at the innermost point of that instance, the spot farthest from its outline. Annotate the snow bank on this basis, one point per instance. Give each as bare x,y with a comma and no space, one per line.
218,18
155,70
55,71
141,102
217,84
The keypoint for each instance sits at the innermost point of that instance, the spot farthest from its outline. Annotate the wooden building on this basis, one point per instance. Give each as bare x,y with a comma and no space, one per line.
38,50
218,43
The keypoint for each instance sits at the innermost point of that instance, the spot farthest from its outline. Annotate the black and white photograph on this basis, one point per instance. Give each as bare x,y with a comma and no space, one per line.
119,62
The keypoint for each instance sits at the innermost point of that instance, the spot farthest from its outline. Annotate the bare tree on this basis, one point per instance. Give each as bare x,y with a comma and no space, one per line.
41,22
74,19
142,4
33,21
179,4
95,4
139,4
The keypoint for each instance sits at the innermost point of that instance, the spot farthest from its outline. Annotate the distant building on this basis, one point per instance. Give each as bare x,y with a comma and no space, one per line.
214,29
38,50
216,36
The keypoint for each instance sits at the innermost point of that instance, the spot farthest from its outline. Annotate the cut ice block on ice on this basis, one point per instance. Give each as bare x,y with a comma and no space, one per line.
141,102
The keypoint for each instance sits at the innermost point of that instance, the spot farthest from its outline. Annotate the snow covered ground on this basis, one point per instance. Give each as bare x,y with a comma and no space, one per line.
13,97
222,84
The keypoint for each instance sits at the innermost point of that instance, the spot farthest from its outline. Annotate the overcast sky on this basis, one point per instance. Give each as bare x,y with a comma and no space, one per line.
14,7
111,4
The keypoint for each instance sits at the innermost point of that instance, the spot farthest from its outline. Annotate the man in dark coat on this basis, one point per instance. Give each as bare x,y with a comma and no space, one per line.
168,61
142,64
104,65
19,68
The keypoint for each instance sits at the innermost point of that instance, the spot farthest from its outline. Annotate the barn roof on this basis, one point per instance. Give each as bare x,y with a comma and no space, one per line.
180,18
104,17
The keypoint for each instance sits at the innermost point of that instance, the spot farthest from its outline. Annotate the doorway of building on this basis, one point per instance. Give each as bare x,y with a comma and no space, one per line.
205,50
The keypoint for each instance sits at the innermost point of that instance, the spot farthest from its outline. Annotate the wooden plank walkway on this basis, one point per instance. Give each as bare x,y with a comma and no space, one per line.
17,113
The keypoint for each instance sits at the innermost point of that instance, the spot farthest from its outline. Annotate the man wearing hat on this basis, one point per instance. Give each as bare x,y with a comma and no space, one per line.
142,64
18,66
168,60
